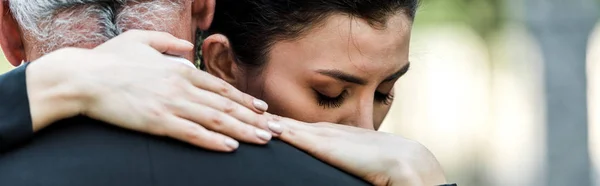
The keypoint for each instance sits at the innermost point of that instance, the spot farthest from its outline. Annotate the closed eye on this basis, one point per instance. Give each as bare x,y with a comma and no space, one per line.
386,99
330,102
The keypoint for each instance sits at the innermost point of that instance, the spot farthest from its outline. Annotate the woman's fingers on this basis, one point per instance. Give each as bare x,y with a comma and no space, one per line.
299,134
160,41
205,81
221,122
293,126
229,107
190,132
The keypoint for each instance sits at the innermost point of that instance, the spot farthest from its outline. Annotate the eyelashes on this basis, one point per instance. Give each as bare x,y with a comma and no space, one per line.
386,99
331,102
336,102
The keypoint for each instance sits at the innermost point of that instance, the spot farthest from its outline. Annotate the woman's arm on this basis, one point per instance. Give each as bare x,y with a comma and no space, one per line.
377,157
129,83
30,103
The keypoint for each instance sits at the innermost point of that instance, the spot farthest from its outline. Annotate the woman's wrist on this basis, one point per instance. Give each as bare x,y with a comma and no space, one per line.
53,92
422,169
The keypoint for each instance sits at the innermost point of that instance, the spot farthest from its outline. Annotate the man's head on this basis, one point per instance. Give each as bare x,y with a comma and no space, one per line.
32,28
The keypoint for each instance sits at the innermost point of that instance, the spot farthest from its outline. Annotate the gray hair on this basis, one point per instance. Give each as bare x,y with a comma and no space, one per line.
61,23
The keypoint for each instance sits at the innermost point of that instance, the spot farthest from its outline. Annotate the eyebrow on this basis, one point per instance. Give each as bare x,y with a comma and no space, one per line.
399,73
343,76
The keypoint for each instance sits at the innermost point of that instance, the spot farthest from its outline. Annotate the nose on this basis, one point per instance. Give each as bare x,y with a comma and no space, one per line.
362,116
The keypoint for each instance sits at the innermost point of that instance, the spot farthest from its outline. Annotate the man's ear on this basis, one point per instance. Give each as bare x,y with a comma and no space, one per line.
219,58
10,36
203,12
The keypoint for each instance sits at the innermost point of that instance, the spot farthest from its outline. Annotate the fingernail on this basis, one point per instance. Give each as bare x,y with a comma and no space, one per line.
232,143
263,134
260,105
274,127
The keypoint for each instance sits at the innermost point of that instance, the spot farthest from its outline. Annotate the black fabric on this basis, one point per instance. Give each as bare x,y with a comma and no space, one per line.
82,151
15,118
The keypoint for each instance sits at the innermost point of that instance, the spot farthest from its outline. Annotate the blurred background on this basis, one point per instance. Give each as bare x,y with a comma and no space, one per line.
503,92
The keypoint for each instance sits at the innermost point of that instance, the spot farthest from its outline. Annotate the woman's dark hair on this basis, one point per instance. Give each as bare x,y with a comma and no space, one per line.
253,26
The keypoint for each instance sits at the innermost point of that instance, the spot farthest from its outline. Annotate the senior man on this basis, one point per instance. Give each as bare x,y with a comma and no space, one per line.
70,82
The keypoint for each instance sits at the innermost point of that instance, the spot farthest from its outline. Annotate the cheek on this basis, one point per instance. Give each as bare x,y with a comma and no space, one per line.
379,114
286,97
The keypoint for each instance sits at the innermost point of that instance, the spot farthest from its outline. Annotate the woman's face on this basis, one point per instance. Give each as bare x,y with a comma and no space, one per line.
341,72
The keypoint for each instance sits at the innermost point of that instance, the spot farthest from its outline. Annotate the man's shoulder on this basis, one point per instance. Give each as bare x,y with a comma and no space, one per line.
15,118
86,148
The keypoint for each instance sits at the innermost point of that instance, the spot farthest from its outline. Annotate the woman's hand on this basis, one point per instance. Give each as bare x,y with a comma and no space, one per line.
129,83
377,157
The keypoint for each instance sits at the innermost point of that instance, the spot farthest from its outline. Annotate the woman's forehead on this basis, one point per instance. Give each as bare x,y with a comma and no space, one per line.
347,44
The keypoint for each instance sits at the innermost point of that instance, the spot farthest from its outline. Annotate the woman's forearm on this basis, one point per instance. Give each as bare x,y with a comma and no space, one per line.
34,95
52,94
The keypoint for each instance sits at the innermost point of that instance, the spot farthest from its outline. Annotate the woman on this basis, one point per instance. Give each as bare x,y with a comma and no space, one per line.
330,61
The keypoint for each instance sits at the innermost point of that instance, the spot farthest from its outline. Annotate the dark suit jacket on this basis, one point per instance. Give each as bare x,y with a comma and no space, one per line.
81,151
